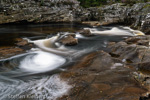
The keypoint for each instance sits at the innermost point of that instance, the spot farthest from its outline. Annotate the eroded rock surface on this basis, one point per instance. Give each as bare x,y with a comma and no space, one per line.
39,11
20,47
99,76
85,32
69,40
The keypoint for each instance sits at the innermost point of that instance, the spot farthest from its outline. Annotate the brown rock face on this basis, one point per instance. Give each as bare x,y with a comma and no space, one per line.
93,78
134,49
9,51
69,40
86,32
143,42
20,47
132,40
135,52
134,90
102,86
21,42
92,23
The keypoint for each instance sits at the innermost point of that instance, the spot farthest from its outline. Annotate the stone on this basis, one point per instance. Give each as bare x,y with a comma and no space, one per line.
69,40
21,42
143,42
102,86
92,23
86,32
132,40
93,79
135,90
137,15
6,52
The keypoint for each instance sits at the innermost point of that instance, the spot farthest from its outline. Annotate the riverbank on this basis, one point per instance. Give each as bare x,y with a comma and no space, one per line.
136,15
111,70
117,74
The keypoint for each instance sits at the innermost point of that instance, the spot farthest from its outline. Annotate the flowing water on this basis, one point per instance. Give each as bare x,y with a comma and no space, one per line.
35,75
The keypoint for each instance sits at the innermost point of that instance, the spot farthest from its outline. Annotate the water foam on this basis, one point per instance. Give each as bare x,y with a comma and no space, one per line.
50,45
127,31
41,61
47,88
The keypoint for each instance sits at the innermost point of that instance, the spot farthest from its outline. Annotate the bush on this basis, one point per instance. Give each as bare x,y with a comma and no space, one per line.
95,3
92,3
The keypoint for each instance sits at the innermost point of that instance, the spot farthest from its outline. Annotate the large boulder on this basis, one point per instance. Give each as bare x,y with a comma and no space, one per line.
37,11
85,32
134,49
97,76
69,40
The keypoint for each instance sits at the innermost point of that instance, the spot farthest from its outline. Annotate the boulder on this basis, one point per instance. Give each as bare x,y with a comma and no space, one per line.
86,32
92,23
21,42
93,78
143,42
69,40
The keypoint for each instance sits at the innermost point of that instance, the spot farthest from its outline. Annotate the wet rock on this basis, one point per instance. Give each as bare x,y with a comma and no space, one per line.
21,42
93,78
133,49
132,40
9,51
134,90
25,11
135,53
144,98
143,42
91,23
144,66
139,40
101,86
147,32
21,46
86,32
69,40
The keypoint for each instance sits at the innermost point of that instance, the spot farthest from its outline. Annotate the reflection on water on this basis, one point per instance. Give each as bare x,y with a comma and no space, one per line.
8,34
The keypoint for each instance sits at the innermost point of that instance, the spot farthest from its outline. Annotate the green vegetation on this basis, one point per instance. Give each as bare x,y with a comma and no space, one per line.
92,3
147,6
97,3
42,2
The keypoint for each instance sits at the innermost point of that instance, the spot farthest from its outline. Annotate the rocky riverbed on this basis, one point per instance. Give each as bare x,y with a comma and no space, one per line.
108,68
119,71
119,74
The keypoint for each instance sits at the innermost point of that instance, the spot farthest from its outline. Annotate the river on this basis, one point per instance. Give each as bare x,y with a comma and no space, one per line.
35,74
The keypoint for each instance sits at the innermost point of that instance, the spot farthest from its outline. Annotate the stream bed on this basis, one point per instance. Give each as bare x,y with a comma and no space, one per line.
35,74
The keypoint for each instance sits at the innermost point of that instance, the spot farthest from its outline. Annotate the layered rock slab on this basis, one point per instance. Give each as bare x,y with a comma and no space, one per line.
98,76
